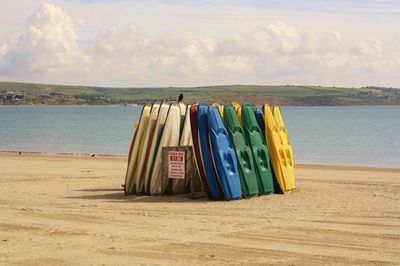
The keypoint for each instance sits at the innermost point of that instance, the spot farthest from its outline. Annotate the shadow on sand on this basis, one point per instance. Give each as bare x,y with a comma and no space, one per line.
118,195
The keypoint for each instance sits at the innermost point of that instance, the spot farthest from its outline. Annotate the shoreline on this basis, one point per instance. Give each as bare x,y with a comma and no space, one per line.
302,165
66,154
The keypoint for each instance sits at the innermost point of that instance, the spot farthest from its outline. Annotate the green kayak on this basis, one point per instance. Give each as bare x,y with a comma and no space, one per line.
248,177
260,151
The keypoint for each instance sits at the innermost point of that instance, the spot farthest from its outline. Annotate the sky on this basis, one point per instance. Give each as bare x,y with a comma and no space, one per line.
148,43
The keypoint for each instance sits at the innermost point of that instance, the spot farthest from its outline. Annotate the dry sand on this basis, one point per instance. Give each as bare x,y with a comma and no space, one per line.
71,210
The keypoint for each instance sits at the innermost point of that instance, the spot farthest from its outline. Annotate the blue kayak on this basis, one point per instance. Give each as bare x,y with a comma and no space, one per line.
260,120
224,156
212,182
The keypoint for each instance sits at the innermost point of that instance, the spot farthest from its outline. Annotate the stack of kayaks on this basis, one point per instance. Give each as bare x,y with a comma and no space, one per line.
239,150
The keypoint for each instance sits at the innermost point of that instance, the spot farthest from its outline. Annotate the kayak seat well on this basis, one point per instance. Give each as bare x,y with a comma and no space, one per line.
221,131
228,162
255,128
245,161
262,158
288,160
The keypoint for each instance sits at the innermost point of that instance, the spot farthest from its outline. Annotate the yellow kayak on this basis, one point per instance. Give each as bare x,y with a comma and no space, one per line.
280,149
238,109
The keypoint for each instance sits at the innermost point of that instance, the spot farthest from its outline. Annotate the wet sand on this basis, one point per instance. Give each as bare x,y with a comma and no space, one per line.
71,210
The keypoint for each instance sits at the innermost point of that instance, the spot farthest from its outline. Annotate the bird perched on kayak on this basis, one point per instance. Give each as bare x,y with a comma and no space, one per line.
180,98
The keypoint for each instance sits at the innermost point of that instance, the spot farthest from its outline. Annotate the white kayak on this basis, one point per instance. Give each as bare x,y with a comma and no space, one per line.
178,185
145,151
159,128
170,137
136,149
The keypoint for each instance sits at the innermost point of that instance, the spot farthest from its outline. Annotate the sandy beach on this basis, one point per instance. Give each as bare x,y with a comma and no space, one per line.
71,210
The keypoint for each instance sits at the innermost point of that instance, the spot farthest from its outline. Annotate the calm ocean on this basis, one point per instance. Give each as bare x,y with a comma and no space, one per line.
357,136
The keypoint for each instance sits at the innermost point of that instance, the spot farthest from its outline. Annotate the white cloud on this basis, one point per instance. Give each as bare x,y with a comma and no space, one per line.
369,48
48,45
373,55
3,48
130,39
272,38
269,51
285,37
329,60
143,57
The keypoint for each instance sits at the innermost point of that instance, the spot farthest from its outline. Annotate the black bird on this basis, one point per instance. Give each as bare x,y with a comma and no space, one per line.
93,155
180,98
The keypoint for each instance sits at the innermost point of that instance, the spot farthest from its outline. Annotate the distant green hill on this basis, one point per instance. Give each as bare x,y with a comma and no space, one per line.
25,93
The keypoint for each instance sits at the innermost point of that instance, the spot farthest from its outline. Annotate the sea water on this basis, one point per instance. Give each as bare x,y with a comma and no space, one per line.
357,135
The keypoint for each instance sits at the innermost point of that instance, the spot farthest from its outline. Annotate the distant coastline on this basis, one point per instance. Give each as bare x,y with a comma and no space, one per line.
30,94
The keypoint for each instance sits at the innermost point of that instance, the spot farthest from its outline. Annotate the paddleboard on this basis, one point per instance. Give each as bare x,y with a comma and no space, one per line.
224,156
170,137
259,148
248,178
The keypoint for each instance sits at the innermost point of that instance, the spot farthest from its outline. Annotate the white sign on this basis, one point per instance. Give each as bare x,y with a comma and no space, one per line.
176,164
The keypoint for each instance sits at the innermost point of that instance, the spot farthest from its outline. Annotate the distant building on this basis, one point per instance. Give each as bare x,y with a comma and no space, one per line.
12,98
